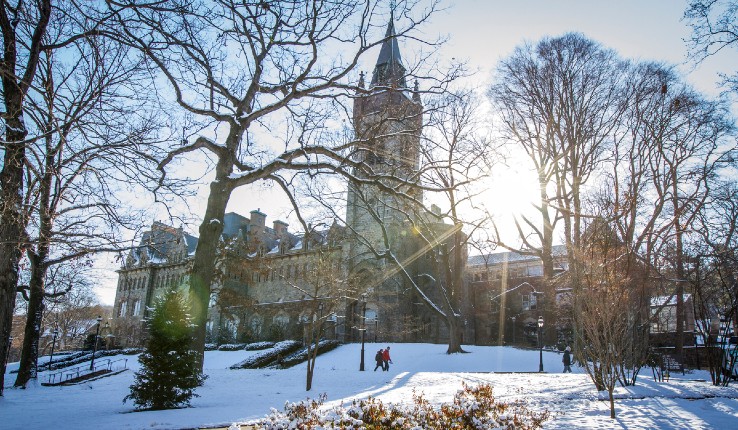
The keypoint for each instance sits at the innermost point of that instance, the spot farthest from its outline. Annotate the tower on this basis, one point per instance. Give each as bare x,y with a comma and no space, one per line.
387,121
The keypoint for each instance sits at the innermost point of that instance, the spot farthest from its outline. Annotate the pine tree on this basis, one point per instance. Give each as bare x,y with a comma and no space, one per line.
169,370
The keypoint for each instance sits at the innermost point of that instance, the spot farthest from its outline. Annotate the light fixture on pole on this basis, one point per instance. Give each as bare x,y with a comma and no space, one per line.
513,329
540,343
55,333
363,330
94,345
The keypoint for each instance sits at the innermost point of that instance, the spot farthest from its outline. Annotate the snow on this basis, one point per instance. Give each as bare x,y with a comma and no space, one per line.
672,300
231,396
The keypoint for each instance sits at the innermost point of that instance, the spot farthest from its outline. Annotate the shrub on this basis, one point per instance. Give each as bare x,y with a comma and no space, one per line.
231,347
472,408
269,356
257,346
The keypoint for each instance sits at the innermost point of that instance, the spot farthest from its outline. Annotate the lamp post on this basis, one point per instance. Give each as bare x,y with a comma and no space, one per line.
55,333
94,346
513,330
540,343
363,330
107,335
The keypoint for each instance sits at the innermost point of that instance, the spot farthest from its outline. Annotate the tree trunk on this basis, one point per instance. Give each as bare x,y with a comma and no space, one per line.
547,237
612,402
680,275
203,268
455,327
11,228
311,354
32,333
37,285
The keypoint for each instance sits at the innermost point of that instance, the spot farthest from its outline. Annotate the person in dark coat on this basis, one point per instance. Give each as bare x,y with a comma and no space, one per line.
386,358
379,358
567,359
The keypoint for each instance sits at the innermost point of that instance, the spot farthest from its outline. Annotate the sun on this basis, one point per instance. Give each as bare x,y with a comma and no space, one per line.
510,191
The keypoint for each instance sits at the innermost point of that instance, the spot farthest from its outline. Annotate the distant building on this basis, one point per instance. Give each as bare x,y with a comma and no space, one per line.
509,294
663,317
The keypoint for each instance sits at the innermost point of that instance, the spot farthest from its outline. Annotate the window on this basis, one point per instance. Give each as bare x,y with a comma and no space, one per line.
123,309
535,271
281,320
256,323
529,301
136,308
664,320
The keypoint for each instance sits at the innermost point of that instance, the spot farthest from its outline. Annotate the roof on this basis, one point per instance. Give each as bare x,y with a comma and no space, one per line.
234,223
510,257
389,70
160,241
672,300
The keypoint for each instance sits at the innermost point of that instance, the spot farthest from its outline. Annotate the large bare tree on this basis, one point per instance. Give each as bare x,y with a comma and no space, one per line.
558,101
23,27
253,77
91,137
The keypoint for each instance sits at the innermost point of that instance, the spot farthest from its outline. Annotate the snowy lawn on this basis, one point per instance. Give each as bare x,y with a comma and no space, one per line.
242,395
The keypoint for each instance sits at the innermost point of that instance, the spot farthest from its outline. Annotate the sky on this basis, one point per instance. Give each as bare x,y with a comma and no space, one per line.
484,31
236,396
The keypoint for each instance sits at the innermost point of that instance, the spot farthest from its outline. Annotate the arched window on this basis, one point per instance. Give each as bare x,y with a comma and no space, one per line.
256,323
281,320
136,308
123,309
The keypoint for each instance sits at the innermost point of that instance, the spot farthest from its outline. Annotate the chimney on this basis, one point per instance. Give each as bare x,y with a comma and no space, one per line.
280,228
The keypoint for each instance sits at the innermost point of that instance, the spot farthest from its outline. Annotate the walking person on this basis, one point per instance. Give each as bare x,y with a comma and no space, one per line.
379,358
567,359
386,358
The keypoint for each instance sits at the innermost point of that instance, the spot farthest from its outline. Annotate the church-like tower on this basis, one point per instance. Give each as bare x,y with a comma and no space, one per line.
387,121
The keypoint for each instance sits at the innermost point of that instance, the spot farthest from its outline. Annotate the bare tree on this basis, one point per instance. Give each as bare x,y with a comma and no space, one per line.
411,252
559,101
326,290
608,305
70,312
23,27
457,154
90,136
243,70
687,137
714,278
714,29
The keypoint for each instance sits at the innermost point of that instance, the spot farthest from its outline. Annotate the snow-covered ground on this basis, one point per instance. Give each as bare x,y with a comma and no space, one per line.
228,396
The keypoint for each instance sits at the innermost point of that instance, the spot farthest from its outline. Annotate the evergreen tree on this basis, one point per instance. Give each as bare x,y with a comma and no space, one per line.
169,367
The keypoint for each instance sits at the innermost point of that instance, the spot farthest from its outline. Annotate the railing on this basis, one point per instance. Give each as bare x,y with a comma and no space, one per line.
69,374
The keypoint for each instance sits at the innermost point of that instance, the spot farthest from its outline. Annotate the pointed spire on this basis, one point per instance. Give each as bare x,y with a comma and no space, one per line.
389,70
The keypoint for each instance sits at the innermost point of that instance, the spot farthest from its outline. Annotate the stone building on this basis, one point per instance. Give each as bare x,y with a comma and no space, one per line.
509,295
162,260
272,281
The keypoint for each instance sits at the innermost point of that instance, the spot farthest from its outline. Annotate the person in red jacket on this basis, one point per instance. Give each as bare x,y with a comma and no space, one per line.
386,358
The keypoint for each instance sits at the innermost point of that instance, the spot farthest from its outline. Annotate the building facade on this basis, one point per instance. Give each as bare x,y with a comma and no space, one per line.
272,282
